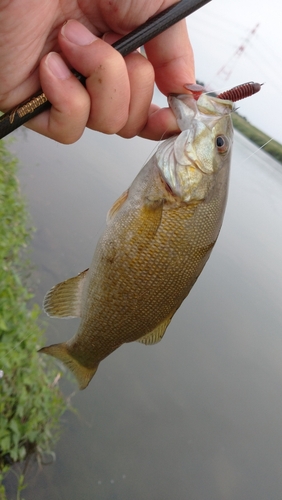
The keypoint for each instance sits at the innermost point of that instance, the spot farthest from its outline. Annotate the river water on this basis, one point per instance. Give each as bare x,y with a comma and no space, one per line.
199,415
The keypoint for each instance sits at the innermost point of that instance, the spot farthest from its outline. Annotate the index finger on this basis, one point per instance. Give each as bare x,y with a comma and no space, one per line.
171,54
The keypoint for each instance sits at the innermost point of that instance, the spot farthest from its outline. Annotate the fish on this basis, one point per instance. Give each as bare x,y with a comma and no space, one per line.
158,238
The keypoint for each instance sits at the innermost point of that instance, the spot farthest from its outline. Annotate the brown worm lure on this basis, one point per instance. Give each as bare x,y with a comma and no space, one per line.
235,94
241,91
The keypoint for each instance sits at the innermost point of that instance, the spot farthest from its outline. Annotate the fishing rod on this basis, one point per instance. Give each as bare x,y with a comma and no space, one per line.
38,102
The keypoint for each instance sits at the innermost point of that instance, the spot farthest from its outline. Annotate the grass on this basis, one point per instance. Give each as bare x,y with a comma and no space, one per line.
30,401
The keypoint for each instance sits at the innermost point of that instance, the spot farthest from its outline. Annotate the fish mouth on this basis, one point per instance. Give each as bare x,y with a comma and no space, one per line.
205,109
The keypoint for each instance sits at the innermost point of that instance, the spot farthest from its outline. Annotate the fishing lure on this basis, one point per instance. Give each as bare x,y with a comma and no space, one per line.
235,94
241,91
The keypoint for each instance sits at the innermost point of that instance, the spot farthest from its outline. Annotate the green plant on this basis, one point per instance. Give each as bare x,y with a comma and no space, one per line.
258,137
30,401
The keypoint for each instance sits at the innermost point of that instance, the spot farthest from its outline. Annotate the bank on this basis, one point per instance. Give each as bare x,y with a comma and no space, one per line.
31,402
258,137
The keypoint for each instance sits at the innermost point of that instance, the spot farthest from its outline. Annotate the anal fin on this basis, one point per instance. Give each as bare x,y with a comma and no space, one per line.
64,299
156,335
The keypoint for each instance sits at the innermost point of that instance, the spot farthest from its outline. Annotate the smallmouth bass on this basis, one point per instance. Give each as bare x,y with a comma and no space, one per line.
158,238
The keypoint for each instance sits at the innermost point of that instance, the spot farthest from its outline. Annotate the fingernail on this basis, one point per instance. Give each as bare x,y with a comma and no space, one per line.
76,33
57,66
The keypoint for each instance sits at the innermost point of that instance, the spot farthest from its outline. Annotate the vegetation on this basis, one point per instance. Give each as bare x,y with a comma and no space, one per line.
255,135
30,400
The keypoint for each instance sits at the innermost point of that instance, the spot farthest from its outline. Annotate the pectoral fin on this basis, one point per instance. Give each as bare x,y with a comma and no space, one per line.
64,299
156,335
61,351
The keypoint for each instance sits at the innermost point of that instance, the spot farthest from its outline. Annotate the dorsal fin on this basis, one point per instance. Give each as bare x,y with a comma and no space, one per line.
156,335
64,299
117,205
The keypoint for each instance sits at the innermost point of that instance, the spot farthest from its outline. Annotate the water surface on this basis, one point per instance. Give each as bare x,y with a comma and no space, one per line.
198,415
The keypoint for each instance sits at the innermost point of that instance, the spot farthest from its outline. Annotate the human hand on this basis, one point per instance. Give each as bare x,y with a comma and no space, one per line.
37,49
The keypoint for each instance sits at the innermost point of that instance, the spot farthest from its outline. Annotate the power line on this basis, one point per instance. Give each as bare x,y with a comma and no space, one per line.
226,70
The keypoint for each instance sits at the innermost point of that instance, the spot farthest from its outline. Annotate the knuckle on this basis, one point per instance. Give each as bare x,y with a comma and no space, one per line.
109,127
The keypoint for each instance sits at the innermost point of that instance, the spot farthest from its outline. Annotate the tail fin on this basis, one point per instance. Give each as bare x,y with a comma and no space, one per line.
61,352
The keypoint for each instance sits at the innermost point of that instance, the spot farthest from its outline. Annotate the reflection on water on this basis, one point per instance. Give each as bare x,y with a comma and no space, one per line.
199,415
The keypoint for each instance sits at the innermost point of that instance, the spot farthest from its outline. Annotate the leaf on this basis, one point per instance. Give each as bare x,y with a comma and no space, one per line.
3,325
14,426
5,444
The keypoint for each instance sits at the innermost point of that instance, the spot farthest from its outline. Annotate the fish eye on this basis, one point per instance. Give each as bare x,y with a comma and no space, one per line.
222,144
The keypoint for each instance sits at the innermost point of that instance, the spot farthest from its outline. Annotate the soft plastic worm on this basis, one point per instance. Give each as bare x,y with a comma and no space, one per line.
241,91
235,94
